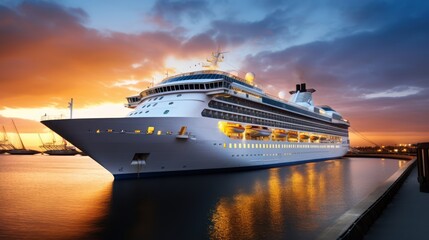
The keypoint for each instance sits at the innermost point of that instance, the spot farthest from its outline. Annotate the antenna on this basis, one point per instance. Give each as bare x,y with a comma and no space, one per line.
215,59
71,108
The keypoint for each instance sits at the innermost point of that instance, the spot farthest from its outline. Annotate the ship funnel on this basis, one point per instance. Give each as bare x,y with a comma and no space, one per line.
298,87
303,89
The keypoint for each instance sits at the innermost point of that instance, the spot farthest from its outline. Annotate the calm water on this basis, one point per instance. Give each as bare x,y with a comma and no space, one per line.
46,197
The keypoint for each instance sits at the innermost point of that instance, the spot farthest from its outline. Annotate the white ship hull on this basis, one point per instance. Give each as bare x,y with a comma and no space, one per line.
115,142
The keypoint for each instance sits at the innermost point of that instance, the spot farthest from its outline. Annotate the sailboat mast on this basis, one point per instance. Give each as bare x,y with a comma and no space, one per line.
4,134
19,136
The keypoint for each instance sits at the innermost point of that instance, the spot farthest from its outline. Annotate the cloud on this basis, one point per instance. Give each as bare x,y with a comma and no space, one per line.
396,92
170,14
345,69
47,55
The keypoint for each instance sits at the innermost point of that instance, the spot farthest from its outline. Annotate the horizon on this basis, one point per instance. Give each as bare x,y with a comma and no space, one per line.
366,59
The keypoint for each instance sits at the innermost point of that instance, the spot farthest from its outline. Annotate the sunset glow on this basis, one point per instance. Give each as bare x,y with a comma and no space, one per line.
368,61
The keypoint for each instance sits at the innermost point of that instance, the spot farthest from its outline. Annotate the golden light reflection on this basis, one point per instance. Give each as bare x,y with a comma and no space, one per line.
299,193
53,204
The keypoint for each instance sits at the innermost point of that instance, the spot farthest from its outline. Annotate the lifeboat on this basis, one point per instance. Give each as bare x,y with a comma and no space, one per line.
257,131
280,133
292,134
323,138
304,136
314,137
234,128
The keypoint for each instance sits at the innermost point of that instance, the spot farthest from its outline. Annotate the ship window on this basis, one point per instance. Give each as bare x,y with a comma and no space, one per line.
150,130
140,112
176,87
146,111
159,132
148,105
186,86
169,132
201,86
191,86
155,104
230,145
181,87
179,95
97,131
166,111
170,103
211,85
137,131
235,145
155,99
224,145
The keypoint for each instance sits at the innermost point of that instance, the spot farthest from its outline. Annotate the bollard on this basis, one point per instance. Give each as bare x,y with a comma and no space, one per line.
423,166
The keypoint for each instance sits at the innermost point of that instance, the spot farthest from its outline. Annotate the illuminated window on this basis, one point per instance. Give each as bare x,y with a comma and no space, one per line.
97,131
230,145
224,145
169,132
150,130
253,145
239,145
109,130
159,132
235,145
137,131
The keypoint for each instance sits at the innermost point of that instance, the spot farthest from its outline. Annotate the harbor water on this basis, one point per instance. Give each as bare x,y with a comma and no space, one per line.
47,197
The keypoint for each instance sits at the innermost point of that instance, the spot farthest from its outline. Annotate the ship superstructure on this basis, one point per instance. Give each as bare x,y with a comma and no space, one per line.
209,120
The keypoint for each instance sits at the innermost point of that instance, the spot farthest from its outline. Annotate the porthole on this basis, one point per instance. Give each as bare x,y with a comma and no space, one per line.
166,111
146,111
161,98
154,104
179,95
170,103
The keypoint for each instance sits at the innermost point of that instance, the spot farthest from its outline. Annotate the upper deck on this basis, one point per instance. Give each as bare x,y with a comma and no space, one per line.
214,82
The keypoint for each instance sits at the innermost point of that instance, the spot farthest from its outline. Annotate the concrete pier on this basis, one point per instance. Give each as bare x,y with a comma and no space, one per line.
362,221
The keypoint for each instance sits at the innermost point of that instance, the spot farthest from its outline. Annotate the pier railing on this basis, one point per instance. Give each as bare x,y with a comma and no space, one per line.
53,117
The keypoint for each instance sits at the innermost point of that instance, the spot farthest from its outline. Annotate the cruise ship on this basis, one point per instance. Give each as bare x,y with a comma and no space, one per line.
209,120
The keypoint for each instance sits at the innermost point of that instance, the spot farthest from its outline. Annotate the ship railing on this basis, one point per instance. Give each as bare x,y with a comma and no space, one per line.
53,117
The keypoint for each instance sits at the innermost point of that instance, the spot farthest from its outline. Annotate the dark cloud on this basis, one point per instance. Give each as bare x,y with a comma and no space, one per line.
393,58
236,32
170,14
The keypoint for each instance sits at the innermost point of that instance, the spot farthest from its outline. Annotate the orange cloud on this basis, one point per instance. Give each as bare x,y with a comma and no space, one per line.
48,55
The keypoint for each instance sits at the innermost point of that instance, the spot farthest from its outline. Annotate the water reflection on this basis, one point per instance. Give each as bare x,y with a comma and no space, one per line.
69,198
293,202
46,198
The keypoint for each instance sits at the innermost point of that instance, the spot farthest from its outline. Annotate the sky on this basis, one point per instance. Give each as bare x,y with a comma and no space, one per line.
369,60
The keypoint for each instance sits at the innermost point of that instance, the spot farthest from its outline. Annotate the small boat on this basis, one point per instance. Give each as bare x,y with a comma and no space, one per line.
304,136
23,150
258,131
280,133
63,152
234,128
292,136
323,138
314,137
53,148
